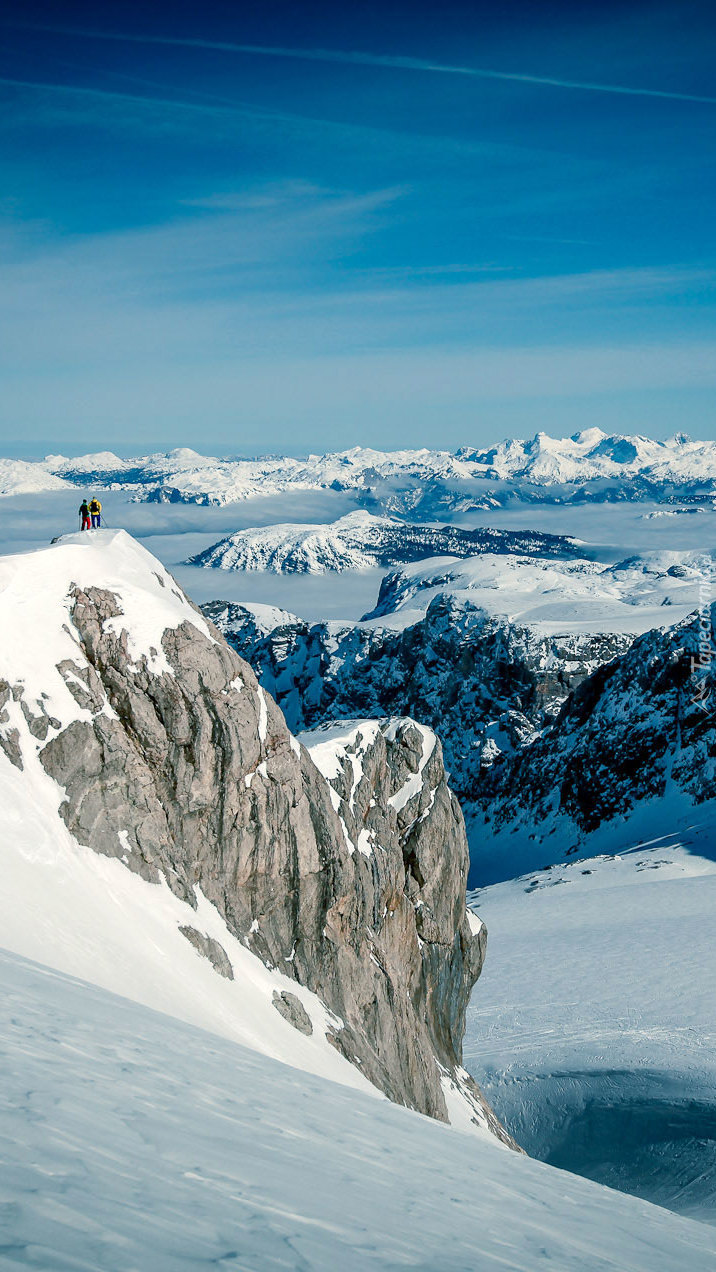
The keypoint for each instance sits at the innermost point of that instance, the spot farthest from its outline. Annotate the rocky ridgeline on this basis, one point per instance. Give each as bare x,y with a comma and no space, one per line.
179,764
485,685
638,732
394,804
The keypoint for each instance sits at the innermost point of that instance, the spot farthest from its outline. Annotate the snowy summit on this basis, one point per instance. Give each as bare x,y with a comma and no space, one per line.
359,541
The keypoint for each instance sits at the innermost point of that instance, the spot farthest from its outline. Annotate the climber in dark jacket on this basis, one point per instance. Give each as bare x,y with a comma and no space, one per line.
85,515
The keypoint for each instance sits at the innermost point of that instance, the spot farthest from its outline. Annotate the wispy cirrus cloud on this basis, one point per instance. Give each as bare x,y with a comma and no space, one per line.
347,57
315,258
163,105
130,326
263,271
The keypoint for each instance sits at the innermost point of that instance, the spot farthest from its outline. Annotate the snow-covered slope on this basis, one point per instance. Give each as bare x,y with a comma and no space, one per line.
130,1140
17,477
594,1032
552,596
590,464
360,541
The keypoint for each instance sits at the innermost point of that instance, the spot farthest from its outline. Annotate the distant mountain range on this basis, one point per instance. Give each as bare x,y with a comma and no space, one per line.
590,465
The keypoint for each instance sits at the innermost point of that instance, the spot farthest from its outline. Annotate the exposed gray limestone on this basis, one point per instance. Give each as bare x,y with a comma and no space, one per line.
293,1010
211,949
9,736
83,683
36,717
39,722
421,939
192,775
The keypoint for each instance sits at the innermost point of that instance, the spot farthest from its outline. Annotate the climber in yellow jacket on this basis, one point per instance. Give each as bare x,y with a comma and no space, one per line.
96,513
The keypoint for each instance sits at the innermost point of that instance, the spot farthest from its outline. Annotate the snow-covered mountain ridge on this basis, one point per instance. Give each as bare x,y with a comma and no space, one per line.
360,541
590,464
483,651
165,836
633,749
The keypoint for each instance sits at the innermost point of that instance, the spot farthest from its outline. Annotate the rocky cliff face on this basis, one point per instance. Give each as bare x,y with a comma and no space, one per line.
176,761
636,737
397,813
484,684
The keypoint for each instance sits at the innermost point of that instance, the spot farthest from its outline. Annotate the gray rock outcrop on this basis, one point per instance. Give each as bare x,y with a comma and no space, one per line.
211,949
189,773
396,807
293,1010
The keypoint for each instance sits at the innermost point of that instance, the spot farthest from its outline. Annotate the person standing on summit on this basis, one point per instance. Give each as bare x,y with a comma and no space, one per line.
96,511
85,515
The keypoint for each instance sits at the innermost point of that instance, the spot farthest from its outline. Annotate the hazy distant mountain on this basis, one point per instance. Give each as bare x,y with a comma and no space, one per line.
590,465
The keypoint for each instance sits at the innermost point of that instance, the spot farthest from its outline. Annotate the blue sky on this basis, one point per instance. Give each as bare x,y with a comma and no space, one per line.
303,227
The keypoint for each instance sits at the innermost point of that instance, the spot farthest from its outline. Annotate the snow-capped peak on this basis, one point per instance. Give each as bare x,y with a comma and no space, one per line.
587,456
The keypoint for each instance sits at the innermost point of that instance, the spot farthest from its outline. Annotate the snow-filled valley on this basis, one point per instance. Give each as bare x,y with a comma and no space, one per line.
593,1030
196,1063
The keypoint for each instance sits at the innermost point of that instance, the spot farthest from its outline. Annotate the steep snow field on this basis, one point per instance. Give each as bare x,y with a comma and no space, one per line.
593,1027
34,604
131,1141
